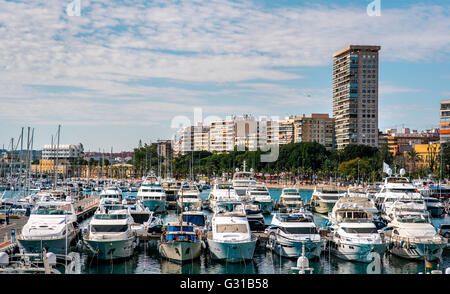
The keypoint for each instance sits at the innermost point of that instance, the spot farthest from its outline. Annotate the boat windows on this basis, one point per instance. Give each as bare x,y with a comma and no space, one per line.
326,197
197,220
109,228
232,228
360,230
299,230
180,229
110,216
353,214
400,190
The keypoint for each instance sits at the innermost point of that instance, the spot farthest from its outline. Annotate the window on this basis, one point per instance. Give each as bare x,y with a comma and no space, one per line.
109,228
232,228
361,230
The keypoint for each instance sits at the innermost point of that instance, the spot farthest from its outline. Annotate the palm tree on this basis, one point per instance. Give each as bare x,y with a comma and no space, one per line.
413,157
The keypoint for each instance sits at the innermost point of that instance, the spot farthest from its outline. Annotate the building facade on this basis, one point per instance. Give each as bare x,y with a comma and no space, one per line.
68,152
355,95
444,123
316,128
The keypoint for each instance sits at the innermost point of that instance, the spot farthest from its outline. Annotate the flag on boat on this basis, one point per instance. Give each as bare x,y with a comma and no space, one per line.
428,264
386,167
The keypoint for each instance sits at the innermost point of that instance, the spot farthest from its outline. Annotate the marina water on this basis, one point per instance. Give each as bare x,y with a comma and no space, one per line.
147,259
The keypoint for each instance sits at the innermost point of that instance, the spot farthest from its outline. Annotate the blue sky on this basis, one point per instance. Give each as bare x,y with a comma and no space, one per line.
123,70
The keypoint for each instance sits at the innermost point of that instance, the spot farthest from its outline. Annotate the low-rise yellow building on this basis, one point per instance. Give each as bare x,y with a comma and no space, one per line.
428,152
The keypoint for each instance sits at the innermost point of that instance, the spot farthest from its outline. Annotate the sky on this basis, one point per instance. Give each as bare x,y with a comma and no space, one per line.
123,71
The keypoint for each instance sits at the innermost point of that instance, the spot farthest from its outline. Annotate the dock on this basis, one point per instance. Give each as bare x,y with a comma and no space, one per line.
86,207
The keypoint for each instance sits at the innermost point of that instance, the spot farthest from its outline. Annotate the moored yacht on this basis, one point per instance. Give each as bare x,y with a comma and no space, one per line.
52,225
412,236
242,180
111,193
353,235
221,192
322,201
261,195
152,195
109,235
191,197
290,200
230,238
291,233
180,241
393,189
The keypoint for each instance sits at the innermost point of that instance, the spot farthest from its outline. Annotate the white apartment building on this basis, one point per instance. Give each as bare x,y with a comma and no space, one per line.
71,151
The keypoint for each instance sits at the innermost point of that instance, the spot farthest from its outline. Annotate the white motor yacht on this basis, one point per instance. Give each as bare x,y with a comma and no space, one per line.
322,201
242,180
111,193
230,238
152,195
52,225
261,195
109,235
221,192
393,189
191,197
290,200
412,236
290,233
353,235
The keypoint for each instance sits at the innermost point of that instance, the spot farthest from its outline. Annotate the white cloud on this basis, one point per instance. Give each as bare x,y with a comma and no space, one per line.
113,44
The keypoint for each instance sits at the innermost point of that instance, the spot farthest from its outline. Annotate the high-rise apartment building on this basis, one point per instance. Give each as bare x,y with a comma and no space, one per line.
444,124
355,95
317,128
222,136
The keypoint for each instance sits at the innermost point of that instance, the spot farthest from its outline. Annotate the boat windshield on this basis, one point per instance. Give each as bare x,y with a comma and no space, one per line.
326,197
299,230
151,190
197,220
52,210
109,228
402,190
232,228
361,230
291,192
414,219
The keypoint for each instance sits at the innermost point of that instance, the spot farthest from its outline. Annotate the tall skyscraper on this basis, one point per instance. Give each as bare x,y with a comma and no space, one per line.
355,95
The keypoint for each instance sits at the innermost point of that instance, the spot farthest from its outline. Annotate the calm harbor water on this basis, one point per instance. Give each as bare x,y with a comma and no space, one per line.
147,260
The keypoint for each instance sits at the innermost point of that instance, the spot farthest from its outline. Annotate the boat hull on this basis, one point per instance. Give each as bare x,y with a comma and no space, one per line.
294,249
180,251
57,246
417,251
357,252
155,205
232,252
110,249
